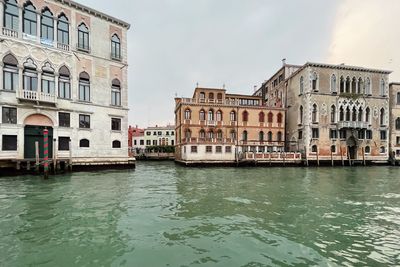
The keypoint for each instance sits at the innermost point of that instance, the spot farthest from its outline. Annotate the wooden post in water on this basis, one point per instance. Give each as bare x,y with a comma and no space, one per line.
54,156
318,156
284,159
362,150
332,158
70,156
37,165
46,153
270,160
348,156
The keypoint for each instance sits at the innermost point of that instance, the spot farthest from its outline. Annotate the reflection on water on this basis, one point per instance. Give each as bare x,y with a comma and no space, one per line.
166,215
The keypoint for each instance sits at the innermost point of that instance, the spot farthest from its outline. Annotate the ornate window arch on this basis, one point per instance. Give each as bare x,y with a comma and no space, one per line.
202,115
333,114
233,115
11,15
188,114
47,25
10,73
314,117
29,19
279,118
30,76
116,92
84,87
301,85
261,117
382,117
245,116
115,47
333,84
63,30
83,38
219,115
270,117
64,83
48,79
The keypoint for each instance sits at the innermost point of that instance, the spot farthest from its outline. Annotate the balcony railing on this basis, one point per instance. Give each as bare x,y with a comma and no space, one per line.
211,123
227,102
36,96
64,47
195,140
10,33
353,124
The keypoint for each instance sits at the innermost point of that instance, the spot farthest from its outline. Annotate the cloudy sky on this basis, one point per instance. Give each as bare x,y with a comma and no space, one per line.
174,44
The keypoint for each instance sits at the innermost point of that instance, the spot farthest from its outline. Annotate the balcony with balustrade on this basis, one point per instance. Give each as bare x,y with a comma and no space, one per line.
353,125
36,96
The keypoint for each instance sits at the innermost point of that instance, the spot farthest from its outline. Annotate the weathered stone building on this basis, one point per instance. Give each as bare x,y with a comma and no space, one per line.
214,126
395,120
64,68
338,113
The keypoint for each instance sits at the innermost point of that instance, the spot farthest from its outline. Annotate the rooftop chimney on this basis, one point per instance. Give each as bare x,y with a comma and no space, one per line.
283,61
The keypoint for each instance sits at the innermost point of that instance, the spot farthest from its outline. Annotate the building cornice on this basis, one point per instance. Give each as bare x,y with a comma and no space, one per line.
346,67
94,12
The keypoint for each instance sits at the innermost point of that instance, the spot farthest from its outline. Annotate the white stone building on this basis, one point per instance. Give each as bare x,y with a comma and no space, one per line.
159,136
64,68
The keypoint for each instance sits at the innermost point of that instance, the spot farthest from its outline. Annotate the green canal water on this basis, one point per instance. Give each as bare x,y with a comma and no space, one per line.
166,215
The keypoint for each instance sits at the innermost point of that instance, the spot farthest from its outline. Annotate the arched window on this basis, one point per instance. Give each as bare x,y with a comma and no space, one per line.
47,25
333,114
115,47
188,134
398,124
261,117
269,136
115,92
84,87
314,149
301,85
341,114
211,96
202,115
83,38
219,97
245,116
233,135
382,150
63,30
354,85
368,86
261,136
279,118
360,114
301,115
244,136
210,134
315,113
211,115
64,83
382,117
360,86
30,19
333,84
188,114
398,98
30,76
84,143
202,95
219,115
314,82
367,114
367,150
354,113
116,144
219,135
11,15
348,114
348,84
10,73
342,85
233,116
279,136
333,149
270,117
383,89
202,134
48,79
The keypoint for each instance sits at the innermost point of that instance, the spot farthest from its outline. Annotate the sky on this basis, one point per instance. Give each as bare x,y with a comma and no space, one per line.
175,44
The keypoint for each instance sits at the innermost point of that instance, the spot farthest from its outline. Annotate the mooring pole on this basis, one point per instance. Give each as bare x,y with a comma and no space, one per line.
363,153
46,153
332,158
341,155
37,165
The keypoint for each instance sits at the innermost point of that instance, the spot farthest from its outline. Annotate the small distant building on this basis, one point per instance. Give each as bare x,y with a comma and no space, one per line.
134,135
153,137
395,120
216,127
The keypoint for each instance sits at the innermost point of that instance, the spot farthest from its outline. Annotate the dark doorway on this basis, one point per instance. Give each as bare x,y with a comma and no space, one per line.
33,134
352,147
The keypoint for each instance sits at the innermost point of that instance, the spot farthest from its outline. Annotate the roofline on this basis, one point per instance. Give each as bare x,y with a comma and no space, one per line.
95,13
346,67
394,83
243,95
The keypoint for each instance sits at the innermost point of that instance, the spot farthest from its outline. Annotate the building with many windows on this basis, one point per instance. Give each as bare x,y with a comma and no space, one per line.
395,120
64,68
216,127
338,113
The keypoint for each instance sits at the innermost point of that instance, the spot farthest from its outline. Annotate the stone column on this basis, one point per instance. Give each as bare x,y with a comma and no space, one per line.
56,84
1,75
2,14
39,85
21,21
55,37
21,77
38,20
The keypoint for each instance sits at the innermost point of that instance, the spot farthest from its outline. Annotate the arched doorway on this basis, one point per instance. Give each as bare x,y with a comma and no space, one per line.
33,132
352,147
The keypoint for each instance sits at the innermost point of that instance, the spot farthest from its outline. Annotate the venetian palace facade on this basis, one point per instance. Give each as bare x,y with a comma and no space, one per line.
395,120
338,113
64,68
214,126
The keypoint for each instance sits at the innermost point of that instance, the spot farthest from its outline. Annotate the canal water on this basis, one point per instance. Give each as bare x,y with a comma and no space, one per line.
162,214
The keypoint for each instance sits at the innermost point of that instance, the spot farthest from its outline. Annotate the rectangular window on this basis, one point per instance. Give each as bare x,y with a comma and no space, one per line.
333,134
148,142
368,135
9,115
398,98
361,134
134,142
218,149
383,135
228,149
63,143
64,90
9,143
208,149
154,142
300,135
142,142
343,134
84,92
115,124
64,119
193,149
10,80
315,133
397,140
84,121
